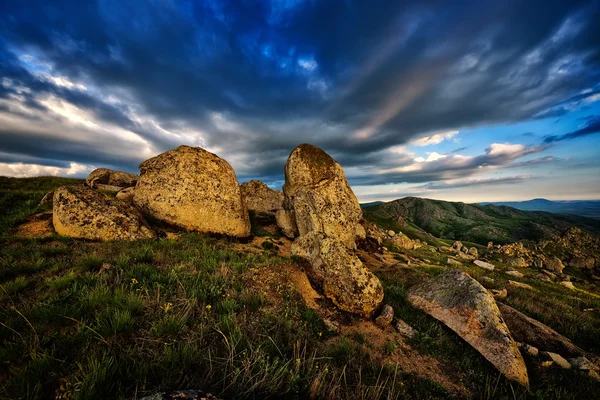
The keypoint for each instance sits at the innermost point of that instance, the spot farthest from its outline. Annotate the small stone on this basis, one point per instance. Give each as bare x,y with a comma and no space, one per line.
484,265
332,327
464,249
583,363
385,318
532,351
452,261
542,277
473,252
568,284
405,329
499,294
557,359
391,233
546,364
513,284
105,268
516,274
486,280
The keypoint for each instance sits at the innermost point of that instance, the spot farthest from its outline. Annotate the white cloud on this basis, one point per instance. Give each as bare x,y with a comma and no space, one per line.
434,139
21,170
505,149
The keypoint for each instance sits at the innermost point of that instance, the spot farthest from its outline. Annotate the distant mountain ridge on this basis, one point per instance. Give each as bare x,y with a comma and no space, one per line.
473,222
585,208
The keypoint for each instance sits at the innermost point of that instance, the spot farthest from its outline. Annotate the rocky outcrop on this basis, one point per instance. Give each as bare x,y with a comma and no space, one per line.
341,275
258,197
126,195
111,177
84,213
467,308
318,197
194,189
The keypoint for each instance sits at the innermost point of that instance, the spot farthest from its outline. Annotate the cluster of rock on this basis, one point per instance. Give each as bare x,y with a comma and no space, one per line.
193,189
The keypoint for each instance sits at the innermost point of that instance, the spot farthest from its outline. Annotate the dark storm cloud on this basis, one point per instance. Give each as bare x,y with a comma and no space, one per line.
592,126
255,78
473,182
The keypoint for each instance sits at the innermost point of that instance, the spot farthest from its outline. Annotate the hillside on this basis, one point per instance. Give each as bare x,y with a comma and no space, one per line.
240,318
584,208
472,222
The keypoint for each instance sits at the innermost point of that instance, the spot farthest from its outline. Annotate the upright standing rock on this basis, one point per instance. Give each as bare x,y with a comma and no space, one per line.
318,197
84,213
467,308
194,189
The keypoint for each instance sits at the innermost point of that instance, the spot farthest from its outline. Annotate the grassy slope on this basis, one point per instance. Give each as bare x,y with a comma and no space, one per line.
474,223
195,312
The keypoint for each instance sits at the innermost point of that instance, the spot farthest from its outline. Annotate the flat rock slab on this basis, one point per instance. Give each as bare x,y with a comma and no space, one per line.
484,265
467,308
530,331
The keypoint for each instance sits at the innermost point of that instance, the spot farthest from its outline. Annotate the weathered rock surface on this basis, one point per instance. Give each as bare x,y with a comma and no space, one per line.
181,394
467,308
126,195
484,265
530,331
318,196
344,279
556,359
111,177
81,212
194,189
385,318
511,285
47,199
554,264
473,251
260,198
582,262
499,294
287,223
516,274
405,329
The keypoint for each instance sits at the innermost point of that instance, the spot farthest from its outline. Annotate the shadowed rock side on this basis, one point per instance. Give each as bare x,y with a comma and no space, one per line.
84,213
318,197
344,279
259,198
530,331
194,189
467,308
111,177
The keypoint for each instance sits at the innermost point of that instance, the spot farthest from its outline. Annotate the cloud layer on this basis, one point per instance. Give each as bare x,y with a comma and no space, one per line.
111,83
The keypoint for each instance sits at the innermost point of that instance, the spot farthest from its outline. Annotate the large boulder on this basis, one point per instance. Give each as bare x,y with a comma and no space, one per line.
111,177
259,198
467,308
318,197
84,213
194,189
343,278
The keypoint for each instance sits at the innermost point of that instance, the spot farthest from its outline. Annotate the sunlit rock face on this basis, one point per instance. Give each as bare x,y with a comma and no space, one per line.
258,197
194,189
81,212
318,196
111,177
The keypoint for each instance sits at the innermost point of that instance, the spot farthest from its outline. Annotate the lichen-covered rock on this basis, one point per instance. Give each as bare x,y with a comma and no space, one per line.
194,189
403,242
343,278
260,198
484,265
385,318
287,223
467,308
126,195
111,177
517,262
84,213
318,196
554,264
473,252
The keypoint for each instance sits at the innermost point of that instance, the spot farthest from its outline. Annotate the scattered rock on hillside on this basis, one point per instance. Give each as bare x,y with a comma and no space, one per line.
405,329
473,251
510,285
194,189
391,233
516,274
81,212
557,359
517,262
567,284
126,194
452,261
111,177
319,197
181,394
582,262
531,350
385,318
344,279
484,265
499,294
554,264
467,308
404,242
260,198
533,332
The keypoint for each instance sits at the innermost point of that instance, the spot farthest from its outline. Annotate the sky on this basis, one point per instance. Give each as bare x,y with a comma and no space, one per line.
462,100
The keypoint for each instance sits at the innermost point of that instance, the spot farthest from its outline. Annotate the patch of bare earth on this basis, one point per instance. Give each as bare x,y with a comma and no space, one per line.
38,225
